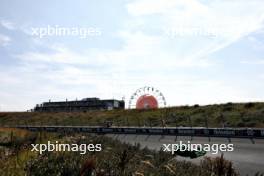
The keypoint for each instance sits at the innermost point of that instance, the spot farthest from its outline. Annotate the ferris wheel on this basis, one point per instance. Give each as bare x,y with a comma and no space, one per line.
147,98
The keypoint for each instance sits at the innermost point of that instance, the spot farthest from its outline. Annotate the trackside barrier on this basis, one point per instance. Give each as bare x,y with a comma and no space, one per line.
175,131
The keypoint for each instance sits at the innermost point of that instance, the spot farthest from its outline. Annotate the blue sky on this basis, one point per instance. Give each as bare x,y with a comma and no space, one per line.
194,52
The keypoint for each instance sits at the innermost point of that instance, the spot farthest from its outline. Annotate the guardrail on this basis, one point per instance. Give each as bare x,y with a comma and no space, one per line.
175,131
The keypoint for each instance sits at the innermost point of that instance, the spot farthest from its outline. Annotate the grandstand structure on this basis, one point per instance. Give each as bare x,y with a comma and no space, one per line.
84,105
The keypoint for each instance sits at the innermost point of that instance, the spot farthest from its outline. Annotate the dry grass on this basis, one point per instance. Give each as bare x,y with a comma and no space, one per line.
233,114
116,159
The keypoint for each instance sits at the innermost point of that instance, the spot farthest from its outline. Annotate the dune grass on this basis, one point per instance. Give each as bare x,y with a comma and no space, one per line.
115,159
230,115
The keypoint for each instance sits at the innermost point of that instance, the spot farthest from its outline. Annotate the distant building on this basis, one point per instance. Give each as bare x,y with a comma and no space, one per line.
84,105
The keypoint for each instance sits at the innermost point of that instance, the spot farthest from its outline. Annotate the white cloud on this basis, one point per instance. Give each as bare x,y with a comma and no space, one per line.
4,40
253,61
63,55
142,49
228,20
256,43
149,7
7,24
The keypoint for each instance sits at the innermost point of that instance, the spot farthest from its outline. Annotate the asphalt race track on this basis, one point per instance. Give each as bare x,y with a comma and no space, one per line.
247,157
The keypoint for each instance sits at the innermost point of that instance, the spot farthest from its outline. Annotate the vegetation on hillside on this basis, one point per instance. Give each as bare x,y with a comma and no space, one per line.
115,159
228,115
